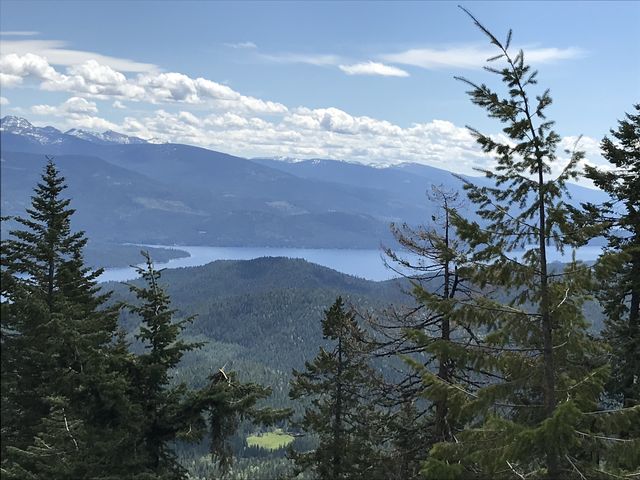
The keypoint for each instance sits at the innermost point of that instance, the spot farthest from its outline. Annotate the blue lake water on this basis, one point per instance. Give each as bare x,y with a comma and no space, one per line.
366,264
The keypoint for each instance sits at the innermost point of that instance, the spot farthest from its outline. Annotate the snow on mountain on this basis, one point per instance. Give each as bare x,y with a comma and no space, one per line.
115,137
21,126
50,135
84,135
105,137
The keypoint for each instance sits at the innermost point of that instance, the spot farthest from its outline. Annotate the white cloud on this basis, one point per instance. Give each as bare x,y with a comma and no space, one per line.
4,101
14,65
73,106
593,156
473,56
119,105
189,118
44,110
94,72
373,68
241,45
320,60
56,54
79,105
19,33
8,80
550,55
94,79
91,123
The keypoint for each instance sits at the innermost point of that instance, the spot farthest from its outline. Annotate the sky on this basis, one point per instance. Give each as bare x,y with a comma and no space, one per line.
371,82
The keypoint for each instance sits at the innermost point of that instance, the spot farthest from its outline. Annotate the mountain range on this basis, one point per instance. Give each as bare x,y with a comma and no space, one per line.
126,189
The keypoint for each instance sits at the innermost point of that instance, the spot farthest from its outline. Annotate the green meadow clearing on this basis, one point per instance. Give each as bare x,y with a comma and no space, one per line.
270,440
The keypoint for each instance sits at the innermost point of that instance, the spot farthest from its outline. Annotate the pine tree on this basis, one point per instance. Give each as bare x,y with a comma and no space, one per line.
56,344
619,269
540,416
172,412
337,384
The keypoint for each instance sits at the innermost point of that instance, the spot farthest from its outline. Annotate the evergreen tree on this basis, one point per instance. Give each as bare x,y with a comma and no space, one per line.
427,335
75,402
161,405
539,417
170,412
337,383
619,269
56,345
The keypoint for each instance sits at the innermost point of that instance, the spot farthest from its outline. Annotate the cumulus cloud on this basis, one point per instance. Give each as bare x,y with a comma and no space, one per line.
72,106
373,68
8,80
90,122
79,105
119,105
4,101
45,110
93,79
473,56
94,72
19,66
313,133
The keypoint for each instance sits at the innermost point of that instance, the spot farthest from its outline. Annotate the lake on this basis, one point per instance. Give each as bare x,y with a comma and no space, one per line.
366,264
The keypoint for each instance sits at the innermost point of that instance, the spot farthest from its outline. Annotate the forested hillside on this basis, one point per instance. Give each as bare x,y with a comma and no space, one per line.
260,317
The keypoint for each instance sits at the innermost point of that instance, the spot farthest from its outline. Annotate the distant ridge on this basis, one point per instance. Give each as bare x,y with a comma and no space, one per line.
106,137
128,190
51,135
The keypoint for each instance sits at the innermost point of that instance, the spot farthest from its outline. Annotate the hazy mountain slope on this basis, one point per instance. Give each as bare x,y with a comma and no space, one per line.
112,204
578,193
407,181
128,191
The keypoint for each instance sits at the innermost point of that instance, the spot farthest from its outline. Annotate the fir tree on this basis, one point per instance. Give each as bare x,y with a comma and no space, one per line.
337,384
162,405
75,402
619,269
539,417
174,412
56,345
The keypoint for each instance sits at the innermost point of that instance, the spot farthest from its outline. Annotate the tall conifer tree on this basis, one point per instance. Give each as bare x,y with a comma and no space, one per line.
162,405
437,345
170,412
56,338
619,269
337,383
540,417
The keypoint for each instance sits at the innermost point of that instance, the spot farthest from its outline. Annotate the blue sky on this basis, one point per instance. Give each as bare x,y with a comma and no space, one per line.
371,82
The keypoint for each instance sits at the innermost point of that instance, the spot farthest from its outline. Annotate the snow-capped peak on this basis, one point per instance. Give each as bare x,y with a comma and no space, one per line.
116,137
105,137
79,133
48,135
22,126
14,124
